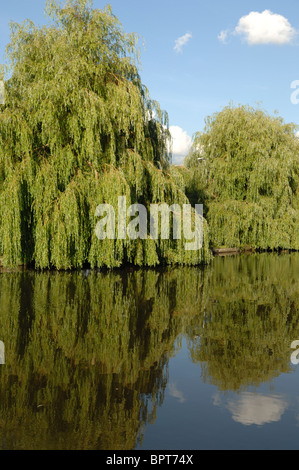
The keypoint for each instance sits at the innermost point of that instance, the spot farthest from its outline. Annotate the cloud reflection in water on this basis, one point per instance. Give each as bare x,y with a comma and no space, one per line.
252,408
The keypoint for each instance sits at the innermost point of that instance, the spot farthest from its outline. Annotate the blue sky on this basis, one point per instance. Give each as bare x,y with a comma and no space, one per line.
228,54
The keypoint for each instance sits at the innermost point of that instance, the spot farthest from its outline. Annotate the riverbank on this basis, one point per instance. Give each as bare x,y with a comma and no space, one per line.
215,253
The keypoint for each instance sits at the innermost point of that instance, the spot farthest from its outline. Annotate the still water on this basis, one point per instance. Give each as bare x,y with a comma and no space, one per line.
174,359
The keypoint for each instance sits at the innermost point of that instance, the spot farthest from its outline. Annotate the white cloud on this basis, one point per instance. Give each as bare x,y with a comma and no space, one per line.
223,36
181,144
181,42
263,28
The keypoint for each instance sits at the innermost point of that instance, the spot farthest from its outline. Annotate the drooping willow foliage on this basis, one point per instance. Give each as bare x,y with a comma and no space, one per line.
245,169
79,129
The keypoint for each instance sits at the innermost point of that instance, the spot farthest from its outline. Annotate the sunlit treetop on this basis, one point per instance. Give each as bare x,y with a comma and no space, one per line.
75,84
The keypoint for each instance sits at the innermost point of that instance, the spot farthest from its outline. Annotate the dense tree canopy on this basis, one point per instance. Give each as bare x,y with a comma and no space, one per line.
78,129
245,168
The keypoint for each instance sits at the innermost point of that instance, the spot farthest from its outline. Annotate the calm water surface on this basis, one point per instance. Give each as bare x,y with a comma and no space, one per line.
182,358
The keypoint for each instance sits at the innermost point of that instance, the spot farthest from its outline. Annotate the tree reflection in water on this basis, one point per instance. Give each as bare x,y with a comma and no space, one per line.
87,357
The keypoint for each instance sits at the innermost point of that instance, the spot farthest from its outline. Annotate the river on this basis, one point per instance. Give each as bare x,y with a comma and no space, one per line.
174,358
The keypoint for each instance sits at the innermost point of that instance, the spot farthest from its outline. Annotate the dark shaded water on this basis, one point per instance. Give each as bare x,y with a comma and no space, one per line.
181,358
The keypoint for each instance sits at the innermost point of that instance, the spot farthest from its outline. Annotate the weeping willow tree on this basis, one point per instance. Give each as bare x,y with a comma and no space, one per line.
245,169
78,129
